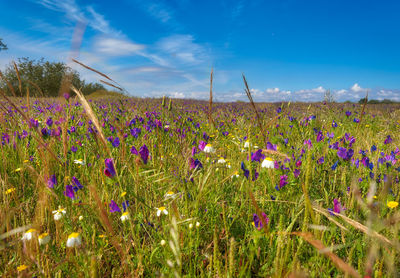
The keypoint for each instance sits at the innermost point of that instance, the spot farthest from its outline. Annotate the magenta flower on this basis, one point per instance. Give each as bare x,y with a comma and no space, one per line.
114,207
110,170
69,191
52,181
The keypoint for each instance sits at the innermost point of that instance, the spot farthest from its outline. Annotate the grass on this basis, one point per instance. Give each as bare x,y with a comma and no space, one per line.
209,229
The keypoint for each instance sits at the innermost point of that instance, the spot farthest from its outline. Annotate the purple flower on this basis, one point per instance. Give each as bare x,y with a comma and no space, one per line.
348,113
195,163
74,149
125,205
52,181
344,153
258,223
194,151
334,166
78,185
202,145
320,136
110,170
114,207
69,191
257,156
334,124
283,181
115,143
296,173
245,171
66,96
134,150
144,153
135,132
271,147
49,122
388,140
356,120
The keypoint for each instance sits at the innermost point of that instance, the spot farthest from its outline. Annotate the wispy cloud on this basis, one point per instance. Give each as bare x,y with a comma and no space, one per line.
117,47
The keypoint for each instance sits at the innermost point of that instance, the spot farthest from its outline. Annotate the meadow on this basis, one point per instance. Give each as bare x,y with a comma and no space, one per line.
130,187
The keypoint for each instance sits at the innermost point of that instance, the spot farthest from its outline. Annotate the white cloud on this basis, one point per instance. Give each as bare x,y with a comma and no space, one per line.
272,90
356,88
177,95
117,47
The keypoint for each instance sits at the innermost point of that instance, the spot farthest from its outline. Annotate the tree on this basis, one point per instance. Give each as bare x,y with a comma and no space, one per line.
43,78
3,46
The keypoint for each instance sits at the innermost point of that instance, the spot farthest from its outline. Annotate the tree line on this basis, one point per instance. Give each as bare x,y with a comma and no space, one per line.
42,78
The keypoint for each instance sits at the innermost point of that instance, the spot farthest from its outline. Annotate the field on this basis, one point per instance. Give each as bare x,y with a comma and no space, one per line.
152,187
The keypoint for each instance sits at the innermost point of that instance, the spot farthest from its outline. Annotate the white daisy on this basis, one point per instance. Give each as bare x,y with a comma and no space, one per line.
247,144
268,163
29,234
125,216
58,214
209,149
74,240
79,161
162,210
44,238
221,160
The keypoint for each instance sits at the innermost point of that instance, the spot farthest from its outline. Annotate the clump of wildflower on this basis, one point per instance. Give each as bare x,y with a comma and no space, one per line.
144,153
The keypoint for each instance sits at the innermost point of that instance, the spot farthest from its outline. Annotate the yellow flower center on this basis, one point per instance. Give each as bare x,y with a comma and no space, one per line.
43,235
31,231
161,208
73,235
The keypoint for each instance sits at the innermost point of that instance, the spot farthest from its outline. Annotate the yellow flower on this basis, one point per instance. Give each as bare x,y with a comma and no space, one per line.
10,190
123,194
102,236
26,161
22,267
392,204
18,169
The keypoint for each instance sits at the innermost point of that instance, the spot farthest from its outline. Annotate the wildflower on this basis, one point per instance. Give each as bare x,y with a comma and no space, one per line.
392,204
28,235
197,224
235,175
163,242
74,240
52,181
78,185
22,267
58,214
348,113
144,153
18,169
114,207
247,144
296,173
162,210
44,238
221,160
195,163
134,150
344,153
110,170
191,226
202,145
10,190
79,161
388,140
268,163
125,216
123,194
69,191
80,217
209,149
258,223
283,181
257,156
337,207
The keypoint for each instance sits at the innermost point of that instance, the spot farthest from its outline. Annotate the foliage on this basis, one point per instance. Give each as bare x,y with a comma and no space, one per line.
44,78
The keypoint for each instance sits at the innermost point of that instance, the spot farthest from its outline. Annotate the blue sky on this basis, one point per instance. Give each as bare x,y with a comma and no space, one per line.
288,50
